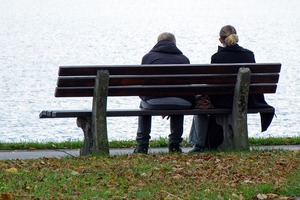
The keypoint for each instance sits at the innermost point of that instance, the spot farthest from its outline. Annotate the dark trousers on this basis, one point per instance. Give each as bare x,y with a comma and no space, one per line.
144,127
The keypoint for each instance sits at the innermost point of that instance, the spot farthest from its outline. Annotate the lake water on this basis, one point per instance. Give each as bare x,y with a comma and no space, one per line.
36,37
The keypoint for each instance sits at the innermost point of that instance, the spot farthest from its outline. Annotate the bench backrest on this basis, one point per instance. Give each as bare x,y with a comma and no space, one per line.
166,80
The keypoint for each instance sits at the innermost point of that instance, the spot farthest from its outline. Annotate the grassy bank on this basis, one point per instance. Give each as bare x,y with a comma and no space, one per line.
210,175
161,142
257,174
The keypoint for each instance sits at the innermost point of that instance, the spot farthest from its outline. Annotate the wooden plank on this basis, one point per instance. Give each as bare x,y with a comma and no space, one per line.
167,69
140,112
114,80
173,90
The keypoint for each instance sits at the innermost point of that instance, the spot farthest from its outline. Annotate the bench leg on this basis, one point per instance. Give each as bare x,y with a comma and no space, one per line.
235,125
225,122
235,134
85,123
239,110
99,123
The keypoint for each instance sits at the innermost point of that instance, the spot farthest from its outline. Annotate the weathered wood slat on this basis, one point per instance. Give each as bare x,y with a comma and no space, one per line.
86,81
140,112
173,90
168,69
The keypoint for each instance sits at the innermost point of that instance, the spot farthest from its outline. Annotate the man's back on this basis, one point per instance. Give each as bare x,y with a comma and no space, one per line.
164,52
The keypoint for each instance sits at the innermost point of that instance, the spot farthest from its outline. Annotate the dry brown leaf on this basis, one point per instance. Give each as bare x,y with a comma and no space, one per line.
272,196
261,196
6,196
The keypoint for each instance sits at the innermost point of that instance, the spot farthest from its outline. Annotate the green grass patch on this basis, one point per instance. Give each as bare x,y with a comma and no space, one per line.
275,141
160,142
210,175
41,145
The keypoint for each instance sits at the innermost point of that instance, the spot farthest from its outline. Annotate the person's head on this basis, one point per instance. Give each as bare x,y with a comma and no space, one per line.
228,36
166,36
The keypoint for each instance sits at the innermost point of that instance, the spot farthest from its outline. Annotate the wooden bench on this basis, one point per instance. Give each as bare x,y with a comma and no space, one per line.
100,82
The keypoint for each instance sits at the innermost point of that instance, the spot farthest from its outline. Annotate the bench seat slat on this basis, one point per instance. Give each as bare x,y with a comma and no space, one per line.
140,112
167,69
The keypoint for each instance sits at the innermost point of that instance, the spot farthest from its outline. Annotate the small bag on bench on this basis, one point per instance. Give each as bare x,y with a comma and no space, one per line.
203,102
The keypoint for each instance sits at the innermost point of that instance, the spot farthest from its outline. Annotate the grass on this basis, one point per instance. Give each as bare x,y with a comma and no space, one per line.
256,174
211,175
161,142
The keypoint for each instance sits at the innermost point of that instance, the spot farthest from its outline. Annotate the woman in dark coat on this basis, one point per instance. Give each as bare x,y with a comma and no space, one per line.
230,52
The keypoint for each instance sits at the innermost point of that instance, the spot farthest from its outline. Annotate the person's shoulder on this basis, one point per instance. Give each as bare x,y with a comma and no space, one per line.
249,55
147,58
213,57
187,60
219,50
246,50
216,55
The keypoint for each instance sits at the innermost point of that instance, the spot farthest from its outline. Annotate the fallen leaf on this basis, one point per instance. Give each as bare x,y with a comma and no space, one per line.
262,196
272,196
6,196
12,170
74,173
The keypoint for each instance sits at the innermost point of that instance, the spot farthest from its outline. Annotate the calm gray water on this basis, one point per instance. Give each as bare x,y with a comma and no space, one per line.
38,36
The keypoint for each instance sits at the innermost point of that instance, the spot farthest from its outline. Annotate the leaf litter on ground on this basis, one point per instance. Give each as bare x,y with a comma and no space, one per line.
219,175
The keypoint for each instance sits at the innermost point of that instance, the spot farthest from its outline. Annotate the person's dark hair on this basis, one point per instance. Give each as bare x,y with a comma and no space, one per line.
228,35
166,36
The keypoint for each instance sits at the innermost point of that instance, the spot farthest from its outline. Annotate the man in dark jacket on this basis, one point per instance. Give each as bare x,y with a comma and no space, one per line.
164,52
